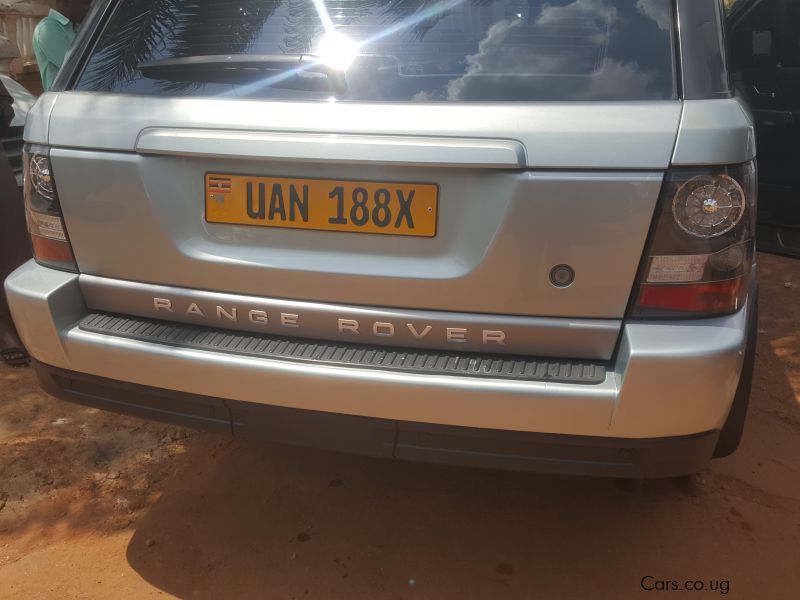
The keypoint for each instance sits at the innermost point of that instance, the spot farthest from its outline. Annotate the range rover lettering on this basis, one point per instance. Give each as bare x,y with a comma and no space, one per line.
500,233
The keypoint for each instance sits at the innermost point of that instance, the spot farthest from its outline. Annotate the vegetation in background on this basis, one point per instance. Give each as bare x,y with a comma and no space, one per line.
729,4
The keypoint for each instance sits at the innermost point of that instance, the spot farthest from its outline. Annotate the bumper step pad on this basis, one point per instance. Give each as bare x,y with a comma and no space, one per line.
345,355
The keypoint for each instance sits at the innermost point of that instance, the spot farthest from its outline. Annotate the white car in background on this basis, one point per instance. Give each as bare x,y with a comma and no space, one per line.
12,140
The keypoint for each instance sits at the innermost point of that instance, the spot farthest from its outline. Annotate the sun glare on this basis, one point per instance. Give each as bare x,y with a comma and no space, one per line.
336,50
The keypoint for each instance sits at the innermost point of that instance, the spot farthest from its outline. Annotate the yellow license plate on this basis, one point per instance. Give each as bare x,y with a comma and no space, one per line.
325,204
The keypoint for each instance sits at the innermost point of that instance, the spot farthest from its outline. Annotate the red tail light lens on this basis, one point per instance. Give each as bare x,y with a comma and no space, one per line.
49,238
715,297
701,253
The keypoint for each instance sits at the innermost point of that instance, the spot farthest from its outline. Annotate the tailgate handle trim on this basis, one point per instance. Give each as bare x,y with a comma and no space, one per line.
317,147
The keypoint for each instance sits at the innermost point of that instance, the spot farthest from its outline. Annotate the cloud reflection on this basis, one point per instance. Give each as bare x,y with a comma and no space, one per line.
658,10
547,70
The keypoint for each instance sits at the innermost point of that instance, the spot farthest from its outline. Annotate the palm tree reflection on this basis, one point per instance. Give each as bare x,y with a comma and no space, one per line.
156,29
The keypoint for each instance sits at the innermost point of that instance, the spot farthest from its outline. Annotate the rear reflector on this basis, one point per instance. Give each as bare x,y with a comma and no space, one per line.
716,297
677,269
46,225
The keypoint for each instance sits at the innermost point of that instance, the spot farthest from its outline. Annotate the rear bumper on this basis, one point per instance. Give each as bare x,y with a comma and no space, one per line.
668,380
464,446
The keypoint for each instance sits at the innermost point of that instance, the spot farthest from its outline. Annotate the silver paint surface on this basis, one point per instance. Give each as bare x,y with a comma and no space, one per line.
715,132
499,235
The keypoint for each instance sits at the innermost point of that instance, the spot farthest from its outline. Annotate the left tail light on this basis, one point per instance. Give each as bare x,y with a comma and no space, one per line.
701,250
51,246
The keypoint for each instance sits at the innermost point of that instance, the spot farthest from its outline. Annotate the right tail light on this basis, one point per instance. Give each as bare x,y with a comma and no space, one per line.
702,248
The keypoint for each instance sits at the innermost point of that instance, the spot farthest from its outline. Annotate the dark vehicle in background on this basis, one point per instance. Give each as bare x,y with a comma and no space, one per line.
764,42
12,138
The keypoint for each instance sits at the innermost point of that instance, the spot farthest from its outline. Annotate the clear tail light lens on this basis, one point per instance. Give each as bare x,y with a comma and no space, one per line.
701,251
49,238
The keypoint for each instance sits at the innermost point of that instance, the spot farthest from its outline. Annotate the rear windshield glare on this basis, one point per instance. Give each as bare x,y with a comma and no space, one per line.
387,50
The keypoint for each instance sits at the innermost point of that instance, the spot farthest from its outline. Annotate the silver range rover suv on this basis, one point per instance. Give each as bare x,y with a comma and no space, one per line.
501,233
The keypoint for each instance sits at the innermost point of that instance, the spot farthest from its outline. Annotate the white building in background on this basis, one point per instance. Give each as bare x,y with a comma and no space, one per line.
17,21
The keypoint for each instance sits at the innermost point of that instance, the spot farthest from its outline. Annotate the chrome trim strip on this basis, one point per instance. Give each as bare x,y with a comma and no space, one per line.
317,147
532,336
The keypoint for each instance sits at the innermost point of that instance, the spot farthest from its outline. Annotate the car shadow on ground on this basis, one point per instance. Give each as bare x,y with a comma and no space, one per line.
299,522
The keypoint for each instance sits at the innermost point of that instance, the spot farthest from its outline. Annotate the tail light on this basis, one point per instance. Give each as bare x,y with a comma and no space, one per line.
49,238
701,251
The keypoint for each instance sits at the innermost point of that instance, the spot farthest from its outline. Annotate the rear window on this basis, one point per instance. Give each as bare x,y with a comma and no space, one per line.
387,50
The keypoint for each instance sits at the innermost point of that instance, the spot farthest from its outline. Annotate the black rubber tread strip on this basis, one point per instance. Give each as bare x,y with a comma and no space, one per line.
407,360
